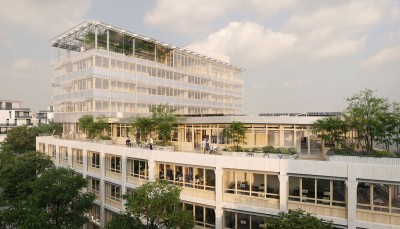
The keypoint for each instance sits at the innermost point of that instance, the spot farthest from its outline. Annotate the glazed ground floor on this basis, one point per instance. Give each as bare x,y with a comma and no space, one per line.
225,191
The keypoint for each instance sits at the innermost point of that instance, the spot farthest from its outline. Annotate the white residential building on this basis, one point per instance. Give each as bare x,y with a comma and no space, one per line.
12,114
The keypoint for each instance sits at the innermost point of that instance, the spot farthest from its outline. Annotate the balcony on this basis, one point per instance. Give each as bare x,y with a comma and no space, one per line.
23,116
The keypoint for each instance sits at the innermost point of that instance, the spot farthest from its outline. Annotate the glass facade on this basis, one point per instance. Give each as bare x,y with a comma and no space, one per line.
187,176
317,191
120,74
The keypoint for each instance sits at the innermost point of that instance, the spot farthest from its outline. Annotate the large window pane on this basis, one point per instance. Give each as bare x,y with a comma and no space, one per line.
243,221
229,219
308,189
339,190
294,188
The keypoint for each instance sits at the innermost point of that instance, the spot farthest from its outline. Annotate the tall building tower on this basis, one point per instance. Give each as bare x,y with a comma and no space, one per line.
101,69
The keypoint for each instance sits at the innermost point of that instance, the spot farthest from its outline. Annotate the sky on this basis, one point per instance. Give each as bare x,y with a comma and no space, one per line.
299,56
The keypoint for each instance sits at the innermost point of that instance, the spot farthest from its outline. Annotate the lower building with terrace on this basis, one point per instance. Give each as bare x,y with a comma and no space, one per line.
238,190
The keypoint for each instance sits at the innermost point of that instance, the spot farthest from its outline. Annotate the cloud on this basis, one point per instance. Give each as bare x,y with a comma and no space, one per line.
23,64
265,8
46,17
383,57
313,33
5,40
295,83
341,48
247,43
187,16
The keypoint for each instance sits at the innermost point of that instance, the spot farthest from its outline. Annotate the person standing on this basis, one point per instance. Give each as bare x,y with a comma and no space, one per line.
203,145
151,143
207,146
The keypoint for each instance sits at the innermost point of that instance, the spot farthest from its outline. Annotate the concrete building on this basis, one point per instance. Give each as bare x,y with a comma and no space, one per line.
100,69
45,116
12,114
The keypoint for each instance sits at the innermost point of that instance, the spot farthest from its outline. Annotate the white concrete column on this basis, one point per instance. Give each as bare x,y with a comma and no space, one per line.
281,136
69,150
123,172
218,197
152,171
351,203
102,186
219,215
283,191
84,160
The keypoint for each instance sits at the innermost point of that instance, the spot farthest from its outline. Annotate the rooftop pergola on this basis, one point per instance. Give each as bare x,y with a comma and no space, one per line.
98,35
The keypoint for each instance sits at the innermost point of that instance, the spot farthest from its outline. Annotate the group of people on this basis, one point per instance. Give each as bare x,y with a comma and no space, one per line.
206,148
149,142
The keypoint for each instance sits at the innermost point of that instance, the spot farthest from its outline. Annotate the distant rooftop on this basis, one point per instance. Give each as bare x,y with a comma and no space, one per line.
309,114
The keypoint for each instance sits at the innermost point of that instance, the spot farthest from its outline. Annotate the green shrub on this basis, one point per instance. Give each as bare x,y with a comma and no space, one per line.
105,137
268,149
235,149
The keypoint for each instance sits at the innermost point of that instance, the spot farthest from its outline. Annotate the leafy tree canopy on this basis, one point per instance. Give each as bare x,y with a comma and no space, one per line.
364,114
332,130
53,200
165,121
297,219
236,132
93,127
161,120
20,139
157,204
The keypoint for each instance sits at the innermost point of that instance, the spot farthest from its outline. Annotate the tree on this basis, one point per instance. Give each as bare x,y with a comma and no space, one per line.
157,204
93,127
332,130
18,172
55,201
165,122
364,114
143,125
396,124
161,120
51,128
20,139
236,132
296,219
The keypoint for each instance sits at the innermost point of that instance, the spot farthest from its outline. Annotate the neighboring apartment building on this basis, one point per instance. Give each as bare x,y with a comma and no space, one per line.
12,114
45,116
100,69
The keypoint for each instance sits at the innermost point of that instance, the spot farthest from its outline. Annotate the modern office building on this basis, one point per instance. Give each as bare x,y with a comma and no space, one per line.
100,69
12,114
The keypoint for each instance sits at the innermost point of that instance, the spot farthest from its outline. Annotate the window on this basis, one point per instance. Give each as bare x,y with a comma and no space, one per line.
378,197
243,220
251,184
77,156
137,168
52,151
63,153
113,163
203,216
188,176
317,191
93,185
94,159
113,191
